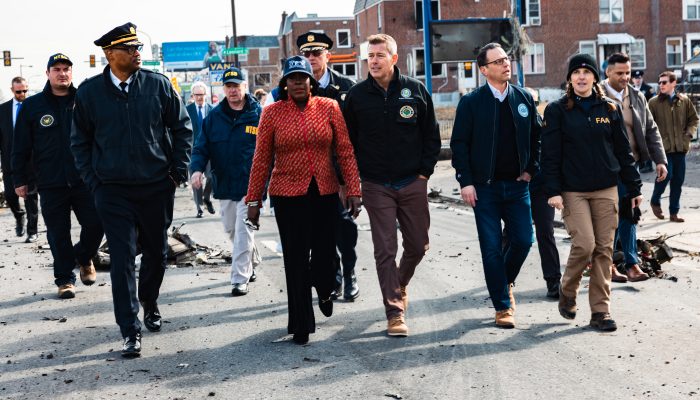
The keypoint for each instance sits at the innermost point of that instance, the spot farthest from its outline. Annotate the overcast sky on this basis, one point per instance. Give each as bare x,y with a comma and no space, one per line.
35,29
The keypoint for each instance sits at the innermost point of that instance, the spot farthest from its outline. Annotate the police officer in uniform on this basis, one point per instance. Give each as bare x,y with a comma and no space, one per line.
131,140
316,48
42,144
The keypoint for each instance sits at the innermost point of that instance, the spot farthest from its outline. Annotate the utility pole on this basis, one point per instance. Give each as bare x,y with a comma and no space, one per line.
235,36
518,14
427,45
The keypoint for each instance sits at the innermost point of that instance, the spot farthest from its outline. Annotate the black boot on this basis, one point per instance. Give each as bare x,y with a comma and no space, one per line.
352,291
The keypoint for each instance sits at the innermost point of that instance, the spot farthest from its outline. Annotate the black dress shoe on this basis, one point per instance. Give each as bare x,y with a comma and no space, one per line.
337,292
326,306
301,338
132,346
32,238
200,213
553,290
253,277
352,291
210,207
151,317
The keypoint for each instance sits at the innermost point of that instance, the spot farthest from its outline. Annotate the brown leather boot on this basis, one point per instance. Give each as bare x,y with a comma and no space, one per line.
66,291
404,298
505,319
658,212
617,276
88,275
676,218
635,274
567,306
396,326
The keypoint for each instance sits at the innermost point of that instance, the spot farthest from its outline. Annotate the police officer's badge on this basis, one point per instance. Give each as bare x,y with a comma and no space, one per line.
342,96
310,38
46,120
132,30
405,93
522,110
407,111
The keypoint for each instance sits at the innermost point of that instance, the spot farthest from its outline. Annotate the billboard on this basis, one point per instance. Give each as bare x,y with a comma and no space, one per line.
460,40
191,56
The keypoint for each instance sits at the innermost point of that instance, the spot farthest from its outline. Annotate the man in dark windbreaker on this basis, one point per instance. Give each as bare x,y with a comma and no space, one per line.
131,140
42,149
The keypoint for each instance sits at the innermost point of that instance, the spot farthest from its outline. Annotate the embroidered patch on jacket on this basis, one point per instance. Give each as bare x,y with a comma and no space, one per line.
46,120
407,112
405,93
253,130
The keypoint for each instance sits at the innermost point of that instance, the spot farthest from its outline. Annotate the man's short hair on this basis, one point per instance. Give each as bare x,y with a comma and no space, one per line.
386,39
618,58
19,80
671,76
481,59
199,85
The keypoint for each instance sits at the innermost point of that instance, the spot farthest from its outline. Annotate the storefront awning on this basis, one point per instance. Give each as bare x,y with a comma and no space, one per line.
615,38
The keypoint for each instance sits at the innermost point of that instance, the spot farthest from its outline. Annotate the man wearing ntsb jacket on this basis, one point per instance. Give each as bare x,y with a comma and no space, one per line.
42,145
227,140
131,140
495,151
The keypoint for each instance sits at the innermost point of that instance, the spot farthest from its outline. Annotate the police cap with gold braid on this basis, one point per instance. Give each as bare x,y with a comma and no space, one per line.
124,35
311,41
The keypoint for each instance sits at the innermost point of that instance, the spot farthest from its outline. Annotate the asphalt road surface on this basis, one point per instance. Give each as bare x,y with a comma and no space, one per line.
216,346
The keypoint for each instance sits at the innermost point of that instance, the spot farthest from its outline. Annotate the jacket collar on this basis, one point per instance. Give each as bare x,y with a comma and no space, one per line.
134,85
373,85
49,94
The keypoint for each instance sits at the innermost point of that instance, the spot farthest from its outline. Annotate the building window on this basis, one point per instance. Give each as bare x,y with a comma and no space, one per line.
264,54
349,70
530,12
691,9
674,52
437,68
434,10
611,12
638,54
243,58
587,47
357,25
263,79
379,17
533,61
692,41
342,38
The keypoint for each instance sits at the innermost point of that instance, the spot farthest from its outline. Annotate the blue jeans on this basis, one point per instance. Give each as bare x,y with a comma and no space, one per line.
626,231
676,175
508,201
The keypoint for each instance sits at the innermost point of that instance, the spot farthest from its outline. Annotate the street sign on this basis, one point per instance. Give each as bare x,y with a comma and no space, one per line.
235,50
151,62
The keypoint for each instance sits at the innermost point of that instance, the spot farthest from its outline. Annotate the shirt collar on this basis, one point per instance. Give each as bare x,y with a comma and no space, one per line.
619,96
500,96
325,79
15,102
116,81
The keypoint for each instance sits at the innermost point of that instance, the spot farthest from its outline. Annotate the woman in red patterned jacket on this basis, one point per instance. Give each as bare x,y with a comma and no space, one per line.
302,132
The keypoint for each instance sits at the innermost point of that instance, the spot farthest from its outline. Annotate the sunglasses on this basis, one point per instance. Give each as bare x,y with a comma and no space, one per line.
663,82
315,53
130,49
500,61
21,91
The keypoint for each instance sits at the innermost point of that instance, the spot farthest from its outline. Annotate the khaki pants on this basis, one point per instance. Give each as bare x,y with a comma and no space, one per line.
591,220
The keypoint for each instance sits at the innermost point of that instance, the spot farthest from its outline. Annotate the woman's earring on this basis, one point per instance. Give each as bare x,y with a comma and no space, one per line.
285,88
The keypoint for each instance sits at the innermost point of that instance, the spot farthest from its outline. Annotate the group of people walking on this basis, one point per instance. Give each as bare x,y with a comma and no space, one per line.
322,148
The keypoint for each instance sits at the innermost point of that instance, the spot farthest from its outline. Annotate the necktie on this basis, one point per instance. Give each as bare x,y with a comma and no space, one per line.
19,105
123,85
199,116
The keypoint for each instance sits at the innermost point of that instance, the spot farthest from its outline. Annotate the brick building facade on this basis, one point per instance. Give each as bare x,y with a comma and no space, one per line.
262,61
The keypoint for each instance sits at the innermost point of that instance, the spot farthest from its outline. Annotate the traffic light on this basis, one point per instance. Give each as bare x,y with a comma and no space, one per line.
7,58
92,61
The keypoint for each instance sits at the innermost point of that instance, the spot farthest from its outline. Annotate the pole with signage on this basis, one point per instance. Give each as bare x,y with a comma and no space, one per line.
428,66
521,78
235,36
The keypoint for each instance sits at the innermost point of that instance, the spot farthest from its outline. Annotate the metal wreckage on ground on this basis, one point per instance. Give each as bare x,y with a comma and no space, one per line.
182,252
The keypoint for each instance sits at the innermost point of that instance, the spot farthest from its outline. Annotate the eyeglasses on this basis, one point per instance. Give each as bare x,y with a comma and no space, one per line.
21,91
663,82
198,94
500,61
315,53
129,49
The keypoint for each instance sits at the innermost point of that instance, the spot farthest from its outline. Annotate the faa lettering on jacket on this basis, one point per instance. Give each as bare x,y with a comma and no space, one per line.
602,120
252,130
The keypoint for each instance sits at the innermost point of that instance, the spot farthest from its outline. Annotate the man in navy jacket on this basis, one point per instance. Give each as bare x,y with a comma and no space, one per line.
227,141
495,151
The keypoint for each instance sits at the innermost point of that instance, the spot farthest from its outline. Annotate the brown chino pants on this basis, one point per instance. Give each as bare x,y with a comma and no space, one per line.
408,205
591,220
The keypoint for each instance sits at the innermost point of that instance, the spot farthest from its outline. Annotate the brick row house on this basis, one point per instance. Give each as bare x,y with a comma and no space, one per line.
658,34
262,61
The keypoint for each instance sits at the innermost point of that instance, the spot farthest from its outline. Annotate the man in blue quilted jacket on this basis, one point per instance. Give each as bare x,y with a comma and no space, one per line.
227,140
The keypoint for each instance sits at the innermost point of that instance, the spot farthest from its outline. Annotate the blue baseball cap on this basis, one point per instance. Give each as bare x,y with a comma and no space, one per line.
58,58
297,64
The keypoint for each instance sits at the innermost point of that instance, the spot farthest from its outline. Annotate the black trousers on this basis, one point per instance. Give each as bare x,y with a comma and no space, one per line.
124,210
56,205
31,204
307,229
346,240
543,216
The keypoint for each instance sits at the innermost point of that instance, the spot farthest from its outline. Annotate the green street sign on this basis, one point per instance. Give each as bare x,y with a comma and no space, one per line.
151,62
235,50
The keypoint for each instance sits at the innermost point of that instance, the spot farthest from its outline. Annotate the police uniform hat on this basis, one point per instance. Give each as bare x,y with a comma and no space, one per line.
637,73
583,61
124,35
233,75
58,58
310,41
